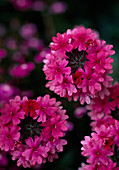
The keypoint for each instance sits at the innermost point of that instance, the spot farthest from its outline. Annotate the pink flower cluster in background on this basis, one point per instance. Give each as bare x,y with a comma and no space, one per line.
78,64
20,47
24,49
39,5
32,130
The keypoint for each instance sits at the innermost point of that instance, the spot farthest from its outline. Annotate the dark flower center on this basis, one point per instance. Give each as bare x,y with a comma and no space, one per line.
35,149
42,108
76,59
88,78
29,128
12,113
8,136
30,107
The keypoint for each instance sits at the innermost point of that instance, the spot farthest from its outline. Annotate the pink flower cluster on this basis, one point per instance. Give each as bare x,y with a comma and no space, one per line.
109,104
32,130
79,64
102,148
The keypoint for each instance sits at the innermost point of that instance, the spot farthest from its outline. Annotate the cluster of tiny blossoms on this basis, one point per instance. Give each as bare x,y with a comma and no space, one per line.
79,64
32,130
102,148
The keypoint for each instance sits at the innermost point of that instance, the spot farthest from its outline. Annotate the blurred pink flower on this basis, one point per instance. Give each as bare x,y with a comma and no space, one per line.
58,7
22,4
80,111
3,53
34,43
7,91
22,70
28,30
3,159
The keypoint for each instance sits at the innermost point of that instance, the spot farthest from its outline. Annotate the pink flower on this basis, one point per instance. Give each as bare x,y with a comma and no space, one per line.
56,144
2,53
107,120
22,70
98,148
101,106
100,46
55,127
11,113
6,91
56,70
8,136
100,62
61,43
28,30
34,152
80,111
58,7
34,43
32,130
80,36
66,88
17,154
22,4
46,107
90,80
87,61
98,154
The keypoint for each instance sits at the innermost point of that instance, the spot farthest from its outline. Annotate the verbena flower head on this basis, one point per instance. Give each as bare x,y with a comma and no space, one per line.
32,130
105,105
79,64
101,149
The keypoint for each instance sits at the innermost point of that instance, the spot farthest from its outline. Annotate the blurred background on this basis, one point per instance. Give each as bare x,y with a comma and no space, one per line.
26,29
